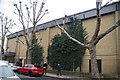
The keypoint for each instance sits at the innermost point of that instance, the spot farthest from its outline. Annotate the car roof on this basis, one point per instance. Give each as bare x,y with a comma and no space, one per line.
3,62
29,64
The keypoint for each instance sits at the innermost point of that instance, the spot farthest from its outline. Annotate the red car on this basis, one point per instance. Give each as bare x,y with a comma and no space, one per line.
31,70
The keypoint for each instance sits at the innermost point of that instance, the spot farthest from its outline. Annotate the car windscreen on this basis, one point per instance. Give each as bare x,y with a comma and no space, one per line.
11,64
5,71
37,66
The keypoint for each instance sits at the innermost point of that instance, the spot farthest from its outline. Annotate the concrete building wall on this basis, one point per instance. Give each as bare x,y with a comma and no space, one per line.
18,46
117,17
11,46
106,49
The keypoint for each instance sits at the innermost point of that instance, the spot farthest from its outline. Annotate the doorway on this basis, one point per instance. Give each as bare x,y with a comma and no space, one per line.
99,63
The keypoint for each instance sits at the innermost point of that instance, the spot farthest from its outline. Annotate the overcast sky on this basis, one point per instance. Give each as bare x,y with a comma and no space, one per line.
56,8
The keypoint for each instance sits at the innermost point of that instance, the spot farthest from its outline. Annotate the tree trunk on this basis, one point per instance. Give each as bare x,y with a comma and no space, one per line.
28,55
29,48
94,66
2,45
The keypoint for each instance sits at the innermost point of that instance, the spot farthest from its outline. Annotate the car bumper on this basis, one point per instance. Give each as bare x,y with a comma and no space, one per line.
37,73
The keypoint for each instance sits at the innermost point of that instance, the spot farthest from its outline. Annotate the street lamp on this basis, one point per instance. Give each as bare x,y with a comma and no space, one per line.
98,4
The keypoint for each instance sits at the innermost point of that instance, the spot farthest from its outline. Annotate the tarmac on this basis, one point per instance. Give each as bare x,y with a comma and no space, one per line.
65,77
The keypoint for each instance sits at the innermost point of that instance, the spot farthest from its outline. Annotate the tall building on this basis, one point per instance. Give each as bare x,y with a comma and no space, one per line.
108,49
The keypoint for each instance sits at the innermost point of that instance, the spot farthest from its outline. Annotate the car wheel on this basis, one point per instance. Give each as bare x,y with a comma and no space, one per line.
18,71
30,73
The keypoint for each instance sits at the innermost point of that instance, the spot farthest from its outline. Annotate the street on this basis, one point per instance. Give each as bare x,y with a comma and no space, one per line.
26,77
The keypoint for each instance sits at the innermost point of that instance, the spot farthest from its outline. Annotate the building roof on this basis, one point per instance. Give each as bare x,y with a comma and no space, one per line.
111,8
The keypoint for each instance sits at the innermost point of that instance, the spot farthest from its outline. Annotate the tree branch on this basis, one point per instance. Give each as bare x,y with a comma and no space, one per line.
106,4
28,14
73,39
107,32
98,23
42,15
40,10
22,21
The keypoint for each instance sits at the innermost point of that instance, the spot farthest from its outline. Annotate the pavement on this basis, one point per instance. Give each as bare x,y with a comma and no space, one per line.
65,77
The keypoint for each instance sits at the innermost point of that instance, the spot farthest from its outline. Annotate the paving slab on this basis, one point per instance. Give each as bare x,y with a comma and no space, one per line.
66,77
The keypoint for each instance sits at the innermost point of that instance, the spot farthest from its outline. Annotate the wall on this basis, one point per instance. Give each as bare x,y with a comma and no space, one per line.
106,48
117,17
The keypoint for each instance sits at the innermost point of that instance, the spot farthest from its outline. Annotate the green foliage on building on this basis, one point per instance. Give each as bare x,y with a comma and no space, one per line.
66,52
37,52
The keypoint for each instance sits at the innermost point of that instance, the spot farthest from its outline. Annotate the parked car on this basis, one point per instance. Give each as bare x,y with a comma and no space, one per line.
6,73
4,61
13,66
31,70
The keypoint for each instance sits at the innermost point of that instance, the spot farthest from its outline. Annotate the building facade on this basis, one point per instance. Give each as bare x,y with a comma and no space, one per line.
108,49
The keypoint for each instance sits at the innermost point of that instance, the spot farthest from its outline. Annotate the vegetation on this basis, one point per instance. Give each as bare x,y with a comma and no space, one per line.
96,37
6,25
37,52
66,52
30,17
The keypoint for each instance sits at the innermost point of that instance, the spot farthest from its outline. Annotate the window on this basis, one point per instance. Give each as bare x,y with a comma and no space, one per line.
99,62
25,66
29,66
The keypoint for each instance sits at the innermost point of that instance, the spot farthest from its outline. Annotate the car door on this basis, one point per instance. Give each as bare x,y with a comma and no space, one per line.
28,68
24,69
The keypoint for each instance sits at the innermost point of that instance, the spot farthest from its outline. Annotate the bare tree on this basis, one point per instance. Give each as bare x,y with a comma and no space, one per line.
6,25
91,46
32,16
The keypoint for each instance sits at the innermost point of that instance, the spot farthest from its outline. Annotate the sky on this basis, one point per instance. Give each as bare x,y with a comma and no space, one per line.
56,8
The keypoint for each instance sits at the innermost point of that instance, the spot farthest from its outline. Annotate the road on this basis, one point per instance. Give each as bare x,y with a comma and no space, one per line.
26,77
